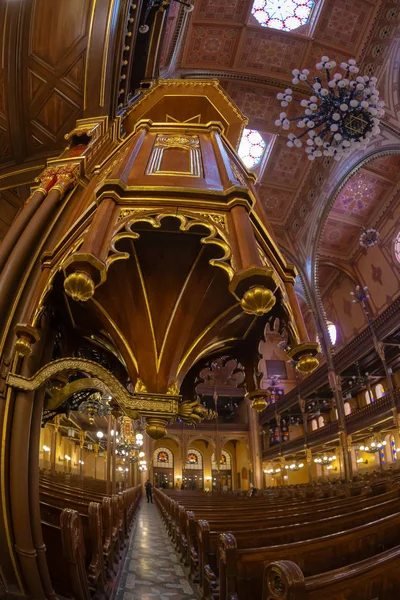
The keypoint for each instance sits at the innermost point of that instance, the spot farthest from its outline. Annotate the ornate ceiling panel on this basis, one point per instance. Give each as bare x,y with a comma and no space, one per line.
365,196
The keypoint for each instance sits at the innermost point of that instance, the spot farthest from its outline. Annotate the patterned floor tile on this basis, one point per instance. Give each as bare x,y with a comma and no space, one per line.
152,569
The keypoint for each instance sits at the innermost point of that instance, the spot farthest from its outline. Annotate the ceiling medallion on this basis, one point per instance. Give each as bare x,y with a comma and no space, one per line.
344,111
369,237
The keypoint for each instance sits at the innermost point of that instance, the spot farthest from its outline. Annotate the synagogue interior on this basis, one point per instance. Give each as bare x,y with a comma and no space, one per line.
200,299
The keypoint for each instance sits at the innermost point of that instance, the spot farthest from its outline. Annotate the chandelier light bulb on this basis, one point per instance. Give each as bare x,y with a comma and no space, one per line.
100,434
347,101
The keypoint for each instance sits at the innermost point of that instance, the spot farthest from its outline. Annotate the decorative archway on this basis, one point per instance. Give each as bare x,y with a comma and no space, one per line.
193,476
222,474
163,467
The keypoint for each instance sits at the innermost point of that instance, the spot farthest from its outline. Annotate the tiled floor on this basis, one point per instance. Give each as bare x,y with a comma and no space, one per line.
152,569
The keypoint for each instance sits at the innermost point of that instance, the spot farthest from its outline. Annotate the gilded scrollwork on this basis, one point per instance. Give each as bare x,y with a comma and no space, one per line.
217,236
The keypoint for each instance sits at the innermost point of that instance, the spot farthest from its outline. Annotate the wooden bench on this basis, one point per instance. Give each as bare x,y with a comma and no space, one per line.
376,578
241,570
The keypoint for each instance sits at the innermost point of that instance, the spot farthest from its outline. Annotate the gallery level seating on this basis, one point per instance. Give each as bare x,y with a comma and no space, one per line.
85,532
241,547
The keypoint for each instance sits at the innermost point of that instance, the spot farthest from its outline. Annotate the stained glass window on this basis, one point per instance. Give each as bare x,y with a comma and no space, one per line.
282,14
163,458
397,247
225,462
194,459
251,148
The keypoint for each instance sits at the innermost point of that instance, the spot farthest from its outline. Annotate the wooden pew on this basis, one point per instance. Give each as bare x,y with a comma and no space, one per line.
65,555
376,577
91,528
241,570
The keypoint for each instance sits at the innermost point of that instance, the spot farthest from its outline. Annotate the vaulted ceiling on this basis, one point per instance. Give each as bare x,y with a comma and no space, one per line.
222,39
62,64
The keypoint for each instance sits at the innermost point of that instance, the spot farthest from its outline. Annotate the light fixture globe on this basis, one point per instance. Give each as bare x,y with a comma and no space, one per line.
258,301
343,112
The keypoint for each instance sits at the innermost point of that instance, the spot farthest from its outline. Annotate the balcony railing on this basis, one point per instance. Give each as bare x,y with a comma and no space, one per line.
376,412
385,324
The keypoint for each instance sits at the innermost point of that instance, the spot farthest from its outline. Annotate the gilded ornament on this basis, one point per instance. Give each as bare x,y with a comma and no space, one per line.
140,387
258,301
307,364
156,427
259,399
79,286
23,346
173,389
259,404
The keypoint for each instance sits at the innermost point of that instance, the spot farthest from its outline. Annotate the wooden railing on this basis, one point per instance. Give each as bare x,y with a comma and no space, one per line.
385,324
378,411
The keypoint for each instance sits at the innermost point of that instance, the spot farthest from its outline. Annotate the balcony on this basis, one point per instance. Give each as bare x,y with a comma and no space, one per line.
384,325
376,412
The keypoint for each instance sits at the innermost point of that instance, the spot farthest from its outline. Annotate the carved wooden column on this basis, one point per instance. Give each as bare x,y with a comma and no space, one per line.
27,241
255,445
20,492
108,459
336,387
34,496
114,459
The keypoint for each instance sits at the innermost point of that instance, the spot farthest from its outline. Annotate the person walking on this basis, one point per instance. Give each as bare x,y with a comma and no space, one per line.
149,491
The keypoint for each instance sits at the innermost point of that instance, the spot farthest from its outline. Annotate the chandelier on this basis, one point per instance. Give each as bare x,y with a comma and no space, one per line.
369,238
343,112
360,294
294,466
95,406
373,447
325,460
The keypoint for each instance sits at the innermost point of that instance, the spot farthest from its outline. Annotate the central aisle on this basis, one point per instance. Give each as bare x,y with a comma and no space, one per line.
152,568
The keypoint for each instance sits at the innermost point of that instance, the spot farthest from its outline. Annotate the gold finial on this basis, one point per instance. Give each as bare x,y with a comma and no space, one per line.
79,286
307,364
258,301
173,389
140,387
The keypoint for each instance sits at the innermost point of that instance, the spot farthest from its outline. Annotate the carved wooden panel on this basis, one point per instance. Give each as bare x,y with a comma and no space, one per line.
55,70
11,202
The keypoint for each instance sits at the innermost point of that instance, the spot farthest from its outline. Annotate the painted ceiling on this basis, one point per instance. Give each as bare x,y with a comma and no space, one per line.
43,90
222,39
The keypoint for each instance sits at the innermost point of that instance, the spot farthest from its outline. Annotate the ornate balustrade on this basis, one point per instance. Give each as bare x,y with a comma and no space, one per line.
384,325
376,412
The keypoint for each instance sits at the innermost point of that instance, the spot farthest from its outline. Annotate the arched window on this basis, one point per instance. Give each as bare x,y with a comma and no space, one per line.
225,462
194,459
282,14
332,332
347,408
379,391
314,425
321,421
368,397
397,247
163,458
251,148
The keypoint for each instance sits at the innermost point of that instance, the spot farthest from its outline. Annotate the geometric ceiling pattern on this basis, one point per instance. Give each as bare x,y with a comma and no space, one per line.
363,198
253,63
